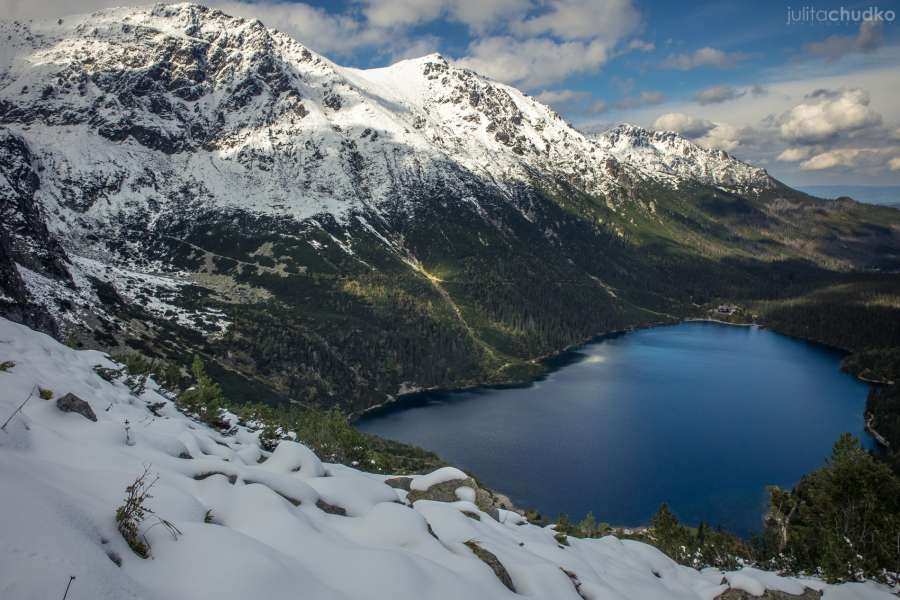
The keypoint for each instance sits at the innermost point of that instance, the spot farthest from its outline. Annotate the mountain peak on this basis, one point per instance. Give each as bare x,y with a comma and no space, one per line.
433,57
670,155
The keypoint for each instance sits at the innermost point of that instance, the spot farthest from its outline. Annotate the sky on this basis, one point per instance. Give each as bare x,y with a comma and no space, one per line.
808,90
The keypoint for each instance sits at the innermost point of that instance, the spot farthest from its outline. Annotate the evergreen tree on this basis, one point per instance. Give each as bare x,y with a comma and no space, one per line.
701,534
843,518
670,536
563,524
588,526
204,398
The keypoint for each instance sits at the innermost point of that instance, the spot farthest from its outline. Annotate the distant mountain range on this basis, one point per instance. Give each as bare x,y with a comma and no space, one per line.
179,180
888,195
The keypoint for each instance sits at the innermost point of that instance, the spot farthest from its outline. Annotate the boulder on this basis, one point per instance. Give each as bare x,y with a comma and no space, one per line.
485,500
399,483
72,403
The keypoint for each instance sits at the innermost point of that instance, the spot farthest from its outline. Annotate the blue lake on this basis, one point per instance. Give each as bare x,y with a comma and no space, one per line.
700,415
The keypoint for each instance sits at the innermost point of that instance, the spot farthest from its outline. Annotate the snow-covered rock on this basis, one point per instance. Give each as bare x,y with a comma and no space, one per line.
256,529
443,475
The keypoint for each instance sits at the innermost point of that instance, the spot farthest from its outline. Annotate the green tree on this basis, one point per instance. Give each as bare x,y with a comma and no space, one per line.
671,537
204,398
843,518
701,534
588,526
563,524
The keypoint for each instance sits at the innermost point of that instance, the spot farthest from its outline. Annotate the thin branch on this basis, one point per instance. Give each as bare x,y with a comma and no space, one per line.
71,579
170,527
15,412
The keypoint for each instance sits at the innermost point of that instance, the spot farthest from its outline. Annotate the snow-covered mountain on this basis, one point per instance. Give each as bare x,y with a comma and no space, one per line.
142,117
167,164
140,111
283,524
670,157
132,106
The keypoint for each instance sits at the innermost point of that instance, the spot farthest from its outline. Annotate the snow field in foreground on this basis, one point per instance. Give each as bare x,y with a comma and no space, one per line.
249,521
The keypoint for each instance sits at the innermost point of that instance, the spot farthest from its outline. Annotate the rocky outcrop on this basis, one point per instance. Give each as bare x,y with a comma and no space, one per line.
74,404
399,483
486,500
23,225
494,563
331,509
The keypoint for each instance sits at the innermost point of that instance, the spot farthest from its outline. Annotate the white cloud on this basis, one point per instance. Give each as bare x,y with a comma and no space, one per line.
756,117
605,20
795,154
572,100
723,136
557,96
850,158
394,13
641,46
836,47
421,46
684,124
645,98
534,62
476,14
826,114
40,9
704,57
718,94
894,164
566,37
597,106
479,14
561,99
311,26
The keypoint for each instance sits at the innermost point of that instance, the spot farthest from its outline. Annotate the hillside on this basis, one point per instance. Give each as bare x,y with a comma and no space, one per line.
179,181
232,520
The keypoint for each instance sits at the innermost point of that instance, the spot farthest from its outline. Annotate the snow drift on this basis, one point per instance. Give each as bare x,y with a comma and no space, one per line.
260,524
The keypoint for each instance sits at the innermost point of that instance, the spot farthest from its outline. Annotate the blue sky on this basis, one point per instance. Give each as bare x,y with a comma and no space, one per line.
815,102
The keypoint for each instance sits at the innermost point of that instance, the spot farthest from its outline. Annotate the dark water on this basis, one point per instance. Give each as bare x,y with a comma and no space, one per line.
700,415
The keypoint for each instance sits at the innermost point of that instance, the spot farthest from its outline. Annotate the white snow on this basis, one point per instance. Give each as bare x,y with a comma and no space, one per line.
442,475
465,493
62,477
755,582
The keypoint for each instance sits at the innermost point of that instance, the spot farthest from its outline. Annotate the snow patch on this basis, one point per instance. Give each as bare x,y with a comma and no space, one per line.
421,483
